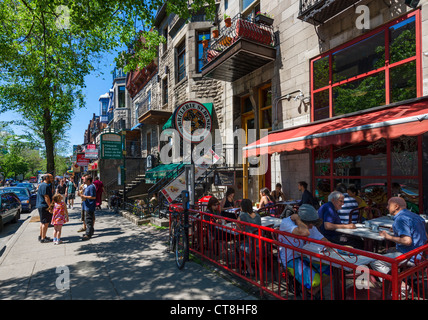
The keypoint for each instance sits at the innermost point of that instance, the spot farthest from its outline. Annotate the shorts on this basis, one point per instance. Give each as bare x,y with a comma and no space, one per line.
71,196
45,215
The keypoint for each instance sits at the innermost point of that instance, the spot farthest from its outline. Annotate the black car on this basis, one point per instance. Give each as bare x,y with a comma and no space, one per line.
10,208
28,199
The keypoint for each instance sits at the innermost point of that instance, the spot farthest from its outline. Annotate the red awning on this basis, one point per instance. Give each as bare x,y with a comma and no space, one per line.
409,119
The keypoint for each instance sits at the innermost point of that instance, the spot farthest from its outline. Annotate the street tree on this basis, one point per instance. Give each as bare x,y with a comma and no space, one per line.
47,47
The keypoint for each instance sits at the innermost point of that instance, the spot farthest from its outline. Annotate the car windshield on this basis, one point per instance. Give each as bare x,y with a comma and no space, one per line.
18,192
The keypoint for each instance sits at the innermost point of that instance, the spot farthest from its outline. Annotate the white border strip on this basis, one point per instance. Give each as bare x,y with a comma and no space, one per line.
419,118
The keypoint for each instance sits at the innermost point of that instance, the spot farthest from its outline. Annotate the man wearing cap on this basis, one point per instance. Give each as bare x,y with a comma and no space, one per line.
304,224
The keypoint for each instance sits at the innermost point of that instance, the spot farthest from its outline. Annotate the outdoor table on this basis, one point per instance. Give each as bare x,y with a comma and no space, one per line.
288,202
268,220
387,221
333,253
235,211
366,233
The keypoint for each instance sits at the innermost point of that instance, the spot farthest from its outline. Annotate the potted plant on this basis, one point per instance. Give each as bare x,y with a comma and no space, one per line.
227,20
204,42
215,33
263,18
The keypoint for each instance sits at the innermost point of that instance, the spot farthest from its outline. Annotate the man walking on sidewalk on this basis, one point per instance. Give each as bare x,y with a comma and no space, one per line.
44,198
88,205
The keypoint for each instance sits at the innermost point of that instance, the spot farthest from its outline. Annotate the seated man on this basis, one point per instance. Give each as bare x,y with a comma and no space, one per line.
331,220
409,233
302,224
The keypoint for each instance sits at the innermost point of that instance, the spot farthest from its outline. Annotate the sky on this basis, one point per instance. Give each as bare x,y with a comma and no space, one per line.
97,83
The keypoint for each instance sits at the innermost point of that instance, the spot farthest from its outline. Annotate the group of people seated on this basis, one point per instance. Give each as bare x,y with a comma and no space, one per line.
409,231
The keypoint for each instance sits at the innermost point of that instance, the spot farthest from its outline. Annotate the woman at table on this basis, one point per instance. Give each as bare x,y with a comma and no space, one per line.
249,245
266,198
217,237
277,193
228,203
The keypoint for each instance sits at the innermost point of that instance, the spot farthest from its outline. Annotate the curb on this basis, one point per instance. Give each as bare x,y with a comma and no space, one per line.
15,237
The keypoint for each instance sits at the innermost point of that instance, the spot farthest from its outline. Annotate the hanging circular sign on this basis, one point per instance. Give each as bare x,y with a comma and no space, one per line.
198,119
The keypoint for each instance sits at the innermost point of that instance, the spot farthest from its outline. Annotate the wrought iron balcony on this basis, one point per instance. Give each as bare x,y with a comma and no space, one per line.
319,11
240,49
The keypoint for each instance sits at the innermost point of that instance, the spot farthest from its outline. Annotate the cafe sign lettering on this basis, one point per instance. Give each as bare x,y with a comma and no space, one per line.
199,118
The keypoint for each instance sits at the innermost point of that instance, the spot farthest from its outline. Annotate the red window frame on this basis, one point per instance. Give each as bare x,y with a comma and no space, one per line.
389,178
386,68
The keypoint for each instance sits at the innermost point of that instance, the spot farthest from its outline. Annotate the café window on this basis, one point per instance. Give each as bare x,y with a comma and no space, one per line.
266,108
379,170
377,69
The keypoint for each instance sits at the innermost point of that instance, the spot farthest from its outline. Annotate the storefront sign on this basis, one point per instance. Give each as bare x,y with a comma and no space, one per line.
200,121
81,160
224,178
111,146
173,190
91,151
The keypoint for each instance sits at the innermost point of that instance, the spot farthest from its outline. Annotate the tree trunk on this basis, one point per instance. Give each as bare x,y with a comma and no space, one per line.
49,143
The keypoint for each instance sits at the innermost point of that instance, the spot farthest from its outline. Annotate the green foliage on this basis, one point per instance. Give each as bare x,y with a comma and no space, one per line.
48,47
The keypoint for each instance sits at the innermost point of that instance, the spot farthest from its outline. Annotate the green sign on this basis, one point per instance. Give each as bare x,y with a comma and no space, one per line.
111,146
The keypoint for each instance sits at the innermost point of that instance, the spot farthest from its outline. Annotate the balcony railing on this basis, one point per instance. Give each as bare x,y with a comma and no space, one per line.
245,36
319,11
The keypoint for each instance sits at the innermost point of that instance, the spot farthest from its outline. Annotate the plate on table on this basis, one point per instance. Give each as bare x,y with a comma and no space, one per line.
360,225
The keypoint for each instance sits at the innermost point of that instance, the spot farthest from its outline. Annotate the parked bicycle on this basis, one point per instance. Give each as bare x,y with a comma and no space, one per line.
178,239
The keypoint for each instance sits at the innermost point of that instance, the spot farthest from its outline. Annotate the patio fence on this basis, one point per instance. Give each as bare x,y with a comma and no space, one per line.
348,278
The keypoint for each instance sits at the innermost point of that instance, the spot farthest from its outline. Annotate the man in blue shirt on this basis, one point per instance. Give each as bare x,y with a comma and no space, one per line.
88,206
409,233
331,220
43,201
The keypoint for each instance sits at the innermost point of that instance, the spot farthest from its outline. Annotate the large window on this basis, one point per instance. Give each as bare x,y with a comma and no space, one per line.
200,49
379,170
121,97
380,68
181,61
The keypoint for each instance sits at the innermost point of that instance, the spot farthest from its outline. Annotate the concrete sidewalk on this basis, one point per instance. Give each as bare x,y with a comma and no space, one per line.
122,261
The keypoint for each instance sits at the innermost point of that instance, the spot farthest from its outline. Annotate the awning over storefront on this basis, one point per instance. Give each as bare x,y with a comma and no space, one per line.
160,171
170,122
393,122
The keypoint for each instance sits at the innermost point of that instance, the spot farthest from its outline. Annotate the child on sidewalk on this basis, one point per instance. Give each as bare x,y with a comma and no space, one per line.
59,216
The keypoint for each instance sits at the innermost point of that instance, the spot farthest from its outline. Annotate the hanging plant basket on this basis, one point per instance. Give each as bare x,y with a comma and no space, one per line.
215,33
205,43
263,20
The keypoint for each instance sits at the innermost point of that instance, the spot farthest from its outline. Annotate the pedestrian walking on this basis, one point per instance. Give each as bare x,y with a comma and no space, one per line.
59,216
88,206
99,186
82,188
43,201
71,192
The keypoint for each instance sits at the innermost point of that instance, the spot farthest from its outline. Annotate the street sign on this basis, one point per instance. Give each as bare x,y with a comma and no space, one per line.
111,146
81,160
91,151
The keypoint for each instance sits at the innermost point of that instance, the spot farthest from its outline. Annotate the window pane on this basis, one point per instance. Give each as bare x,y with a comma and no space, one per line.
409,190
267,118
404,156
360,94
321,105
322,161
200,49
246,3
322,189
321,73
362,57
247,106
403,82
362,159
402,43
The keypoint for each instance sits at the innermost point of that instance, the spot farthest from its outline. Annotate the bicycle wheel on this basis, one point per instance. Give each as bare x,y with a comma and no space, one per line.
180,248
172,236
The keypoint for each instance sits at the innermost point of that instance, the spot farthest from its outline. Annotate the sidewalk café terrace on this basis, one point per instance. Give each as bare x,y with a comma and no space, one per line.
347,272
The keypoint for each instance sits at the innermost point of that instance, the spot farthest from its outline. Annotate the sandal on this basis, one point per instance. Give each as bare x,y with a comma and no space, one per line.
81,230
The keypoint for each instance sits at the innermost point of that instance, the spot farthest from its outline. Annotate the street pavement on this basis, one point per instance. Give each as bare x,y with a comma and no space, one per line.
122,261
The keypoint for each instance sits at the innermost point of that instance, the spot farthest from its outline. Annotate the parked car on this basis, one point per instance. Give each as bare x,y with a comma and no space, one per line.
28,185
28,199
10,208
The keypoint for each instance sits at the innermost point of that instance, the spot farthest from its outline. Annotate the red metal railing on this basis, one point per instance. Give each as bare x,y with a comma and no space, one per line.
218,240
